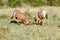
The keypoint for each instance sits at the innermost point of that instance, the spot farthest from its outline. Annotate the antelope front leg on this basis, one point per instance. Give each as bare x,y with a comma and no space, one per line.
37,22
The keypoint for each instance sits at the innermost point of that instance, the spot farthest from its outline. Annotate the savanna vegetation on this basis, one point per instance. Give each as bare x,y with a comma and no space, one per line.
34,3
13,31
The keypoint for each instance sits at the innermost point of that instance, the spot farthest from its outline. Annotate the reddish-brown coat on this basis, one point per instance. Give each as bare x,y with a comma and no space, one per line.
20,17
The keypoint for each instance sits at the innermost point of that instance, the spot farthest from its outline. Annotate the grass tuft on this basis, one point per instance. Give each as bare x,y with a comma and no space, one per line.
28,14
4,16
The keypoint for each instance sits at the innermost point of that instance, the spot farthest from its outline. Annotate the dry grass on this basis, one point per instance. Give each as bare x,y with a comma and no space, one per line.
14,31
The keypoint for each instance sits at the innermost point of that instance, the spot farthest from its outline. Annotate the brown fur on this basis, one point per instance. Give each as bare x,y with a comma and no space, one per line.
39,17
20,17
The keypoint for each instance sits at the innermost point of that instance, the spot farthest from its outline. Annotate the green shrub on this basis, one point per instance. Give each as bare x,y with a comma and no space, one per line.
14,3
1,3
37,3
34,3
